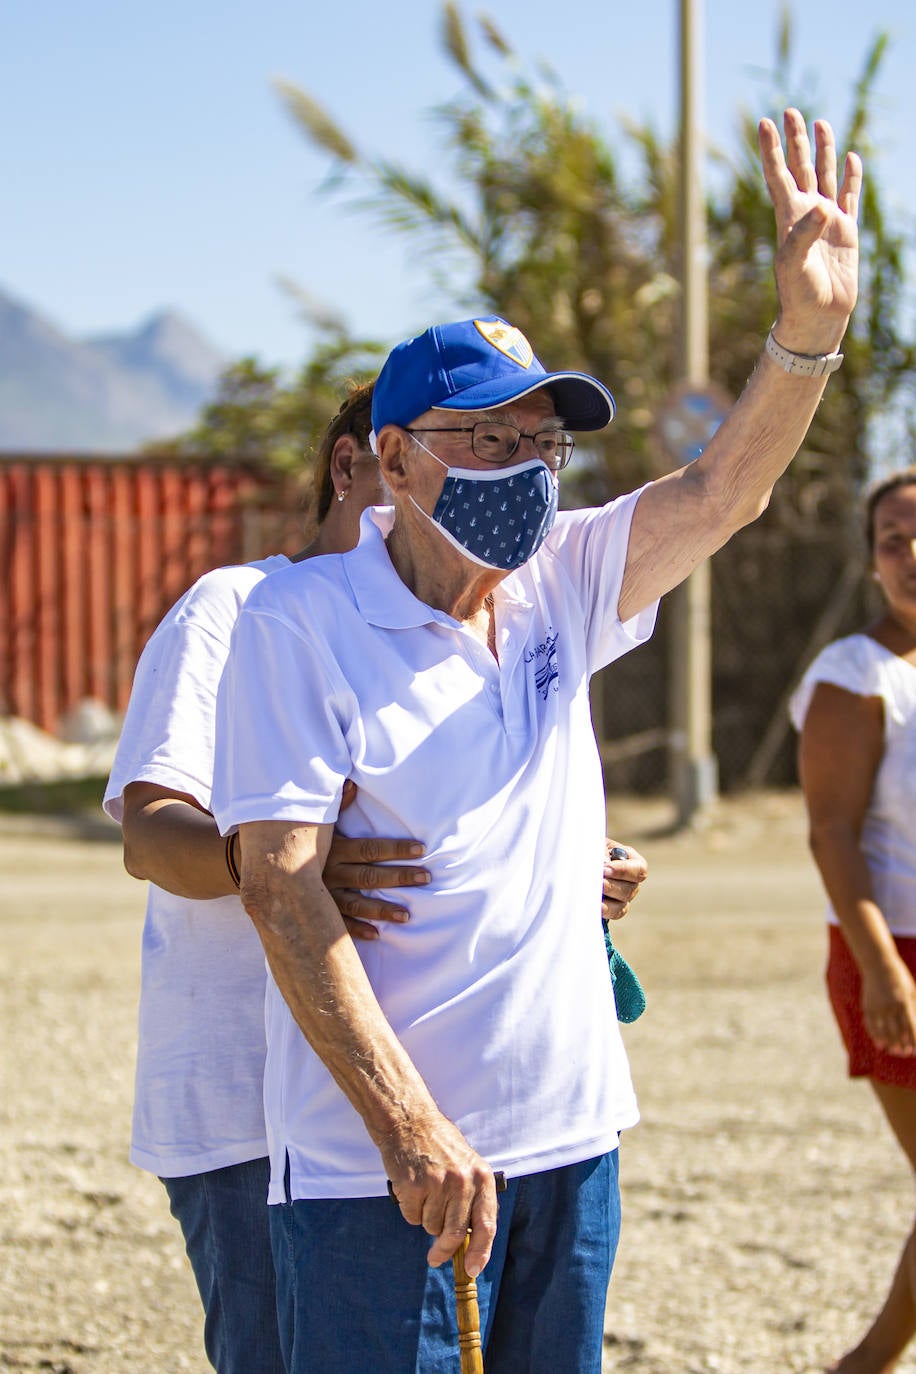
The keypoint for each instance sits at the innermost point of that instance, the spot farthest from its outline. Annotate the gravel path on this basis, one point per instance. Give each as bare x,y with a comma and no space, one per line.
764,1201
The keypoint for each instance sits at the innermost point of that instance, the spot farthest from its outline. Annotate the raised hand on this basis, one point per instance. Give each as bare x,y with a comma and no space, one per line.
817,258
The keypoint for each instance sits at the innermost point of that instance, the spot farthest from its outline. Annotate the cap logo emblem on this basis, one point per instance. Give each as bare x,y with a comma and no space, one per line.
508,340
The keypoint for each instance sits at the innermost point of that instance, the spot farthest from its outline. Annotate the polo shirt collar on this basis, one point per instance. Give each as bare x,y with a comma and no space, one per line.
382,597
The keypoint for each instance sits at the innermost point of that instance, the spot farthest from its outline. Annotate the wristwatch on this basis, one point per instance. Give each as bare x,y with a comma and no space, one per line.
802,364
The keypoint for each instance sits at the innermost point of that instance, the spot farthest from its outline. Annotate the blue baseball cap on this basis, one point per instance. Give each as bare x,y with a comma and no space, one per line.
475,365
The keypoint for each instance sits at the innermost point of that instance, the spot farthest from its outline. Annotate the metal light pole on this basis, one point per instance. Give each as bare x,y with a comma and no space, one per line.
694,772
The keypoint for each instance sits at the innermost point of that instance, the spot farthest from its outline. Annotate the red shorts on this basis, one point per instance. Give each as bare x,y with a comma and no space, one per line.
845,988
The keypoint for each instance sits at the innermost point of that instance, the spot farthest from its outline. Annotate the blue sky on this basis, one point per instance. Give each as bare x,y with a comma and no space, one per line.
147,161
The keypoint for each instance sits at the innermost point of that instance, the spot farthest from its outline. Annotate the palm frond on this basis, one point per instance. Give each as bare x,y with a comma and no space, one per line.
862,96
455,42
409,201
315,312
494,36
315,121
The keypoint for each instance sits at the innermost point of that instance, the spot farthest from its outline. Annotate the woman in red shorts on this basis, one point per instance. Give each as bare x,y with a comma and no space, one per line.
856,713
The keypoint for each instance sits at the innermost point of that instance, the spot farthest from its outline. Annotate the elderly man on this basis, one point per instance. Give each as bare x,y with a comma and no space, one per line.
198,1106
443,665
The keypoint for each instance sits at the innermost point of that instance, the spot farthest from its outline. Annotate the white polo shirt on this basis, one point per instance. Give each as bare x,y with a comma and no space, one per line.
498,986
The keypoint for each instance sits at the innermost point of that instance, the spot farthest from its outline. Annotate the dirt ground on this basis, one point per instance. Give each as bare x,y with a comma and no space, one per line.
764,1201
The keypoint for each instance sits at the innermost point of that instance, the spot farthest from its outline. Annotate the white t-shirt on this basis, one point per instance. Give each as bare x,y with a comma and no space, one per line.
498,985
198,1101
861,665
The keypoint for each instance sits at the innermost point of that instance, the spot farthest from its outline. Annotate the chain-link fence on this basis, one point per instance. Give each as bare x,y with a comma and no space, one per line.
777,596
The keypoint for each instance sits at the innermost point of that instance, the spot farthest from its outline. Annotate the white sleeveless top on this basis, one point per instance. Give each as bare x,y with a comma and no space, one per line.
861,665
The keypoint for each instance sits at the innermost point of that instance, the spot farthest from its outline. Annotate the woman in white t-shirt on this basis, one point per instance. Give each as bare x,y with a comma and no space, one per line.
856,712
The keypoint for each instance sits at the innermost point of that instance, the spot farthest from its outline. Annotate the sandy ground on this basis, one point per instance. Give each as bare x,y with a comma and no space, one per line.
764,1201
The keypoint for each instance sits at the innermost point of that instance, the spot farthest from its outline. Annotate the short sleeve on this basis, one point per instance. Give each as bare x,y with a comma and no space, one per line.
281,743
167,736
593,544
855,664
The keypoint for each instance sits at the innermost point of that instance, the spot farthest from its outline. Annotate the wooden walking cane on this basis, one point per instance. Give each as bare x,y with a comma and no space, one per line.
469,1343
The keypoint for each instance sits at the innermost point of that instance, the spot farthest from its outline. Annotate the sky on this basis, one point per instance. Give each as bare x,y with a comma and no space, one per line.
147,161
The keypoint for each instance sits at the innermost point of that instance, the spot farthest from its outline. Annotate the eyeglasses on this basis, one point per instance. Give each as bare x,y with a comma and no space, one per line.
495,442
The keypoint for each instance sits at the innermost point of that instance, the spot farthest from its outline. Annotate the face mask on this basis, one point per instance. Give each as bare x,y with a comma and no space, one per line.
498,519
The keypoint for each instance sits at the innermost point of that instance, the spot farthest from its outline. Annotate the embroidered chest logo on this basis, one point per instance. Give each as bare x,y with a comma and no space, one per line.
546,673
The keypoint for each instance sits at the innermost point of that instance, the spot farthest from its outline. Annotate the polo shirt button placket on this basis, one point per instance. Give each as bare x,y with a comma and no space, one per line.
496,698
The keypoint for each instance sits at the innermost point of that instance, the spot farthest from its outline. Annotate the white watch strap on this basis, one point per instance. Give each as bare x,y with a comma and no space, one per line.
802,364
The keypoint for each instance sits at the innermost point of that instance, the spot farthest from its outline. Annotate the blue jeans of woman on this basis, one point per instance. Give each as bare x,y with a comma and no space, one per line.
223,1216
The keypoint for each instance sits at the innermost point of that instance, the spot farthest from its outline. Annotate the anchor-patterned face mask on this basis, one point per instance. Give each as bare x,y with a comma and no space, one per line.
498,519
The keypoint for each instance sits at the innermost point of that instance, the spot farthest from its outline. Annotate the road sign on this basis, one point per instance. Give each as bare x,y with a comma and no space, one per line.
689,418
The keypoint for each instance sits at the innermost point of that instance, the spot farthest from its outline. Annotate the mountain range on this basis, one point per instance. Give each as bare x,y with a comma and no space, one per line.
108,393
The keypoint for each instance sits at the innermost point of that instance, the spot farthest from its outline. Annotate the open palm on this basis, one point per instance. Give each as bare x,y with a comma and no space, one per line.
817,234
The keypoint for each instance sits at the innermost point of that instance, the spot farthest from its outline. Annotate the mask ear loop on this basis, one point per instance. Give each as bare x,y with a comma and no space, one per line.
373,444
410,496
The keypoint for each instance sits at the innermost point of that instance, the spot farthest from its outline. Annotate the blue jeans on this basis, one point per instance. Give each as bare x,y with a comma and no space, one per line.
223,1216
354,1291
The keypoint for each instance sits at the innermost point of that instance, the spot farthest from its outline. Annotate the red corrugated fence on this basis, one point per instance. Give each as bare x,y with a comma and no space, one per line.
94,551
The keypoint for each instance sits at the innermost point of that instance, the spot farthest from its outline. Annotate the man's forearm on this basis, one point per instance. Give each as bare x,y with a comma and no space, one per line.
732,480
686,516
320,976
440,1182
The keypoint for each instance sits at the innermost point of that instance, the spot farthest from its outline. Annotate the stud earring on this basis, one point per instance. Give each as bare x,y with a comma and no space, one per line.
341,495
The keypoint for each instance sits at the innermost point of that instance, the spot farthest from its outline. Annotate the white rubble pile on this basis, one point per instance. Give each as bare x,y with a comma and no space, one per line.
84,748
